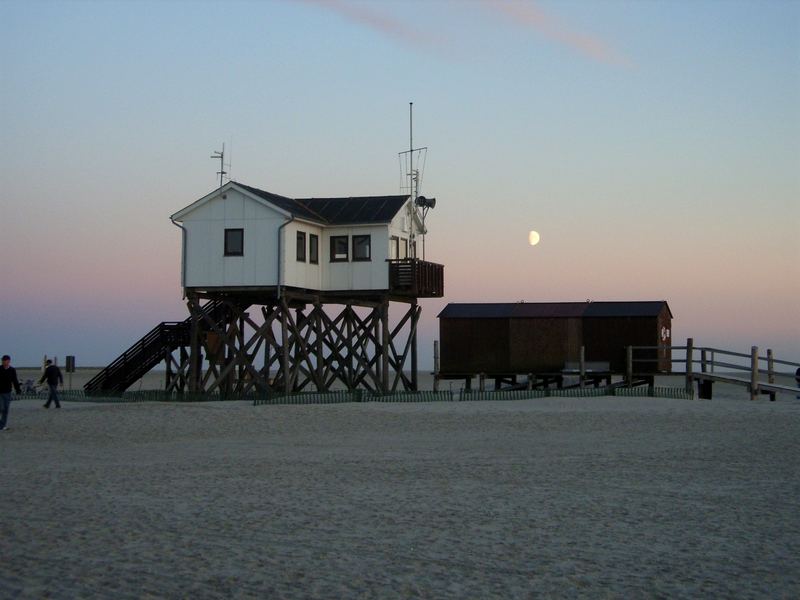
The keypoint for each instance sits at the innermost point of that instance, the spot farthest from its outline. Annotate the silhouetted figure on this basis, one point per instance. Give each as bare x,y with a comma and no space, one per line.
8,378
53,376
797,379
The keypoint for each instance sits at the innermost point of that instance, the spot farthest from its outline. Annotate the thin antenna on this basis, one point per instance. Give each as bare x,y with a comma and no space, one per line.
230,159
411,148
413,174
220,154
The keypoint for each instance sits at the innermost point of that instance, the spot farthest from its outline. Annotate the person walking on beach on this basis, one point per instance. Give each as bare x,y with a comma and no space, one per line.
8,377
797,379
53,376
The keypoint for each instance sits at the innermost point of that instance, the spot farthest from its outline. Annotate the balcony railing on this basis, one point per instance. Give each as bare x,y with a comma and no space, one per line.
417,278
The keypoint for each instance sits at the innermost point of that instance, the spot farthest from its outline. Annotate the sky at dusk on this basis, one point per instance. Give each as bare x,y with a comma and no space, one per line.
655,146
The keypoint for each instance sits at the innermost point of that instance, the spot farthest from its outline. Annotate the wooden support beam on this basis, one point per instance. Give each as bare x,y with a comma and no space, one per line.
754,373
286,350
689,366
194,345
413,334
385,344
582,366
629,366
301,347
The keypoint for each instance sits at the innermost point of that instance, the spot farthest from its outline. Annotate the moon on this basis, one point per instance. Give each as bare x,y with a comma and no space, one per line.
533,238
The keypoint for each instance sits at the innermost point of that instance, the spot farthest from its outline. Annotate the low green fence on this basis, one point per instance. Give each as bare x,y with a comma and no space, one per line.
353,396
64,395
654,392
589,392
344,396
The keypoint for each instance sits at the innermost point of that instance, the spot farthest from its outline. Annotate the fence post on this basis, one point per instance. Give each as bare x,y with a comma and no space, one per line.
689,366
703,364
629,365
436,366
770,366
530,381
771,372
583,366
482,382
753,372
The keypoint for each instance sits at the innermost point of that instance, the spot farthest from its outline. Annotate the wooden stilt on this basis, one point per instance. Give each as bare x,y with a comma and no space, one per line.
302,350
582,366
629,366
413,334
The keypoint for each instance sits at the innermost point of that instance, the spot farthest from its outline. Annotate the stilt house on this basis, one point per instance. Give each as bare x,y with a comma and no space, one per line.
288,294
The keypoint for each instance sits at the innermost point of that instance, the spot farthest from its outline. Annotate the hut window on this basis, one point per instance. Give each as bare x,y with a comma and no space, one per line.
234,242
339,248
362,247
301,246
313,249
403,248
394,247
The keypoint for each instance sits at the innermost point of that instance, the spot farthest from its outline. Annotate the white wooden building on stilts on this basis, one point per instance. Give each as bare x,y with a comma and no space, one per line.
290,294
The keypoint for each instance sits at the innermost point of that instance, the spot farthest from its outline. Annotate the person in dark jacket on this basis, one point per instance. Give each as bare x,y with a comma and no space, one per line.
797,379
53,376
8,378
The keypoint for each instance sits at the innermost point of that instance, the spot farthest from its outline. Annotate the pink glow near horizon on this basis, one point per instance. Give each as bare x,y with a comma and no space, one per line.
678,181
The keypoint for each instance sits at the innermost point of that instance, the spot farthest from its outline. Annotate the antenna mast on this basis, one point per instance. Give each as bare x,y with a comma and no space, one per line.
413,174
411,149
220,154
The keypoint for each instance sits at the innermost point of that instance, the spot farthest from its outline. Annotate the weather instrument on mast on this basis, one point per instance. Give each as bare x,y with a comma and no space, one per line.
412,169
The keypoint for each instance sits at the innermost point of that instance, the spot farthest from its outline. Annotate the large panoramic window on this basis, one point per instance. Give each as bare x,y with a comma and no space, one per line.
361,248
234,242
339,248
301,246
313,249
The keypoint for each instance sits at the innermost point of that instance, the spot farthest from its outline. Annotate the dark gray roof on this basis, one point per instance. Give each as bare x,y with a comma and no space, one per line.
336,211
626,309
360,209
552,310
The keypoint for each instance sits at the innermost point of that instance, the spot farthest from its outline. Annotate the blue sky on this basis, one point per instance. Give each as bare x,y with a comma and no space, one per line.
654,145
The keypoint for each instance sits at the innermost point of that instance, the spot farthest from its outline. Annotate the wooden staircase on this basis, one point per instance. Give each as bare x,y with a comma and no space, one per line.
148,352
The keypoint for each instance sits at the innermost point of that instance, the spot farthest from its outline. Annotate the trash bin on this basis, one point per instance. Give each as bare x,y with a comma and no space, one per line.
704,389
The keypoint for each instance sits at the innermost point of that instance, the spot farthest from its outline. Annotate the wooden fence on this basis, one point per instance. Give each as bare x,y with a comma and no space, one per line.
707,365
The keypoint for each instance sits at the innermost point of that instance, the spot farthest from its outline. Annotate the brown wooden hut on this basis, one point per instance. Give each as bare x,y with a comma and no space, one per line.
542,337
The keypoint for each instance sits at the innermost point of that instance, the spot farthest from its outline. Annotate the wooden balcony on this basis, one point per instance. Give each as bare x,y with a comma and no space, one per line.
416,278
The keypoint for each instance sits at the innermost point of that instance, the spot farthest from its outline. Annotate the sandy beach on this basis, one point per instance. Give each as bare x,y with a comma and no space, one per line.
565,497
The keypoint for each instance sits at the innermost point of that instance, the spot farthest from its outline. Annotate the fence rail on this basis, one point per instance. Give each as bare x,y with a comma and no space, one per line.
706,359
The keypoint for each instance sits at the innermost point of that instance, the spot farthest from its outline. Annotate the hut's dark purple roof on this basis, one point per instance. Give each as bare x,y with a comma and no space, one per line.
336,211
552,310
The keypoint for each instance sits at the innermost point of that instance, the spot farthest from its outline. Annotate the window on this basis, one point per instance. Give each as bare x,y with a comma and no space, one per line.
403,248
234,242
339,248
361,247
394,247
313,249
301,246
